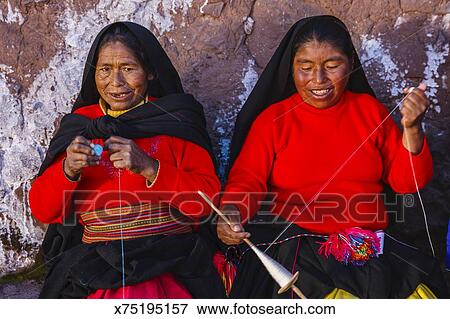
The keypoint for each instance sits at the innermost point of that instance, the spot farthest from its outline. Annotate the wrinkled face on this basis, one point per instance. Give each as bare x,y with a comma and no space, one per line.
320,73
120,78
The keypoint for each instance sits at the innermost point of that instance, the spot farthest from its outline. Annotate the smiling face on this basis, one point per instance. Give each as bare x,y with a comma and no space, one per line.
120,78
320,73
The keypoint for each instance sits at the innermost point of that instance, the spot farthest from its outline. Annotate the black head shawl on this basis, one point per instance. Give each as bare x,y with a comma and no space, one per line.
276,84
173,113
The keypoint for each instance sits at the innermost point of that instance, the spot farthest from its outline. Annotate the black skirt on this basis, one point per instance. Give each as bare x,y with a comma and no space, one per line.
77,270
394,274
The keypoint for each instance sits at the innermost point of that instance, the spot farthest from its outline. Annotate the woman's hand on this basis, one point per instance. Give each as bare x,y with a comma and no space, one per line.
79,155
231,235
413,111
124,153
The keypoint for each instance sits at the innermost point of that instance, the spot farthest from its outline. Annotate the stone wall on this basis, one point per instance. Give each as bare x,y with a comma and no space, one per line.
219,48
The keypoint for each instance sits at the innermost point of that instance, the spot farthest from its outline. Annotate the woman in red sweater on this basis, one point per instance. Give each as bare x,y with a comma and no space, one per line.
314,145
111,182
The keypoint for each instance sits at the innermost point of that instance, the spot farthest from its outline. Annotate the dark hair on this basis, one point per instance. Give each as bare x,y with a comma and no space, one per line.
120,33
328,30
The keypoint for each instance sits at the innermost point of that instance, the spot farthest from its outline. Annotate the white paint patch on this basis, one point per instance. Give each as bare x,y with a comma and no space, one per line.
436,55
375,54
203,6
6,69
446,21
400,20
18,161
250,76
28,124
12,15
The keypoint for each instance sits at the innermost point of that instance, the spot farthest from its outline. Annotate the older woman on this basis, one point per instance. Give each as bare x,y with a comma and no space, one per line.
314,144
110,183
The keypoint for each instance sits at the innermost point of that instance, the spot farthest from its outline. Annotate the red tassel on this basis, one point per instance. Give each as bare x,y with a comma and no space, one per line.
226,270
354,245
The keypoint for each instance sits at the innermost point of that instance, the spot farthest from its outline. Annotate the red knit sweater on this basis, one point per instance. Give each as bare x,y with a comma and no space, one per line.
184,167
293,149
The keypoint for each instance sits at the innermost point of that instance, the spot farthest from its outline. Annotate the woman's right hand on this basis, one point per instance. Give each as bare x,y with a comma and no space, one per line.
231,235
79,154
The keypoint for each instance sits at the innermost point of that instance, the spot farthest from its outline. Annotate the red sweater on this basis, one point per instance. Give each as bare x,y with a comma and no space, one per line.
293,149
184,167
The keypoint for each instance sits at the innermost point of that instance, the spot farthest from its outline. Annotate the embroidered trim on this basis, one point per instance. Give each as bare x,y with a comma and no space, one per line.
132,222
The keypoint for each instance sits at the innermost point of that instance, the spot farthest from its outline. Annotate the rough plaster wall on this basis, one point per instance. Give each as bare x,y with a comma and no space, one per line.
219,48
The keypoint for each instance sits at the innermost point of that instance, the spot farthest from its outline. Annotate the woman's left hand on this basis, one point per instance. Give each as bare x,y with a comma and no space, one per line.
414,107
413,111
124,153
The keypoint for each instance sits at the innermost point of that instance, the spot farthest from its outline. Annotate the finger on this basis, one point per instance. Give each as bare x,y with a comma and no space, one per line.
408,90
413,99
233,219
236,227
119,156
115,147
119,164
77,165
419,92
420,95
422,86
82,140
239,236
117,139
406,110
93,161
82,164
75,157
81,148
230,240
226,231
414,109
233,239
415,103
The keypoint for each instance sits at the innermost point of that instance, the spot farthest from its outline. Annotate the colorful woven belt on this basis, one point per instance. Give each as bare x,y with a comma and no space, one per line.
132,222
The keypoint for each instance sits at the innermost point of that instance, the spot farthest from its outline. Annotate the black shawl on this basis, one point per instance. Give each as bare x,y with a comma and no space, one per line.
276,84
